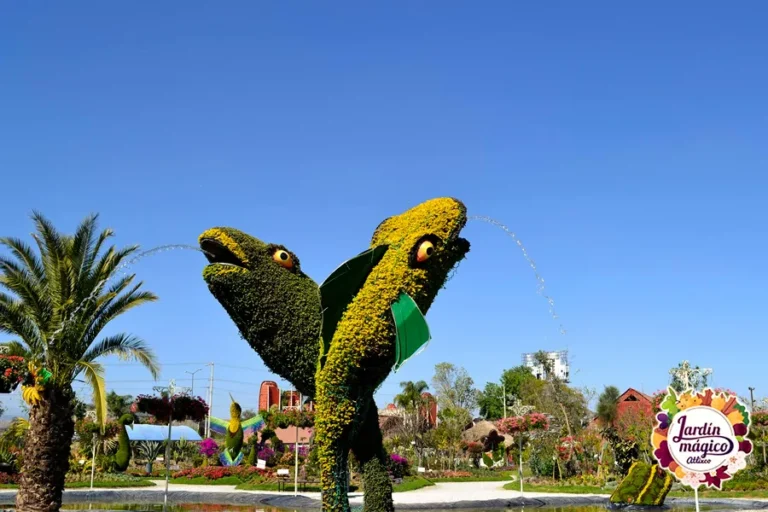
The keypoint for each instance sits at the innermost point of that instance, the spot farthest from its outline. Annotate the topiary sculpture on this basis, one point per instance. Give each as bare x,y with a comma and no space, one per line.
372,323
645,484
234,431
123,455
276,308
370,310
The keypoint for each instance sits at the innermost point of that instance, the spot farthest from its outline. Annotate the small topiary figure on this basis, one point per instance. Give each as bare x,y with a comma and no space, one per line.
234,431
645,484
123,455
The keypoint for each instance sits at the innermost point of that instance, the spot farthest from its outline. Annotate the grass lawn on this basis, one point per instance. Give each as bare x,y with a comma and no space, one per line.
288,487
411,484
201,480
490,477
96,484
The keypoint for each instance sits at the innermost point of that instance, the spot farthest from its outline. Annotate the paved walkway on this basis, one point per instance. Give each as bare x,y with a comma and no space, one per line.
478,495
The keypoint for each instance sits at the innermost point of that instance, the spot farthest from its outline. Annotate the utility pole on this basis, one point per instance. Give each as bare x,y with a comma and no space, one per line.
210,403
752,396
171,392
193,379
296,453
504,397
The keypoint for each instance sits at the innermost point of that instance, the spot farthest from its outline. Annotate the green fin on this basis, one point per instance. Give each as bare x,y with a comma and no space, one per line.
411,327
338,290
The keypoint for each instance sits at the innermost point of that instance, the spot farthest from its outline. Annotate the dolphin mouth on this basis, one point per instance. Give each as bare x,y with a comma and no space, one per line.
218,254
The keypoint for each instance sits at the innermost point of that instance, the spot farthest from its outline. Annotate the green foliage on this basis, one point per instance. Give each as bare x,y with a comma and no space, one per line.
118,405
64,297
276,309
123,454
291,418
607,405
454,387
645,484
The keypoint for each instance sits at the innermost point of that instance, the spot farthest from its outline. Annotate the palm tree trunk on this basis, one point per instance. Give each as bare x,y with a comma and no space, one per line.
46,452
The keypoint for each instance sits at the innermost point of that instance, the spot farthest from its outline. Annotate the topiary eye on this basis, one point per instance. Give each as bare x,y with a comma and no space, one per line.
425,251
283,258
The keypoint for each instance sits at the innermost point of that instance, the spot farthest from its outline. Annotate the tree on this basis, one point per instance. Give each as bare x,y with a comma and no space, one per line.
414,421
448,435
696,377
118,405
61,298
454,387
79,409
248,414
607,405
490,399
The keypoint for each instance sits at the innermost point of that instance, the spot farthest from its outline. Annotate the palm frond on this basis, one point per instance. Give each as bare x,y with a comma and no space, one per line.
94,376
114,308
14,320
126,347
16,348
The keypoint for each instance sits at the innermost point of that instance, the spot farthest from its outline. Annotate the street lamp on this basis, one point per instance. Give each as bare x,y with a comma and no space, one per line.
193,378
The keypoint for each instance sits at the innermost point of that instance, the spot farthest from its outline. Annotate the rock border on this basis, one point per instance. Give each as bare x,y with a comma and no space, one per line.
304,503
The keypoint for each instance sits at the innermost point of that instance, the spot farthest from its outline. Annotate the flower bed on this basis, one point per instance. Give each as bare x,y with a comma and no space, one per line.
13,369
185,407
212,473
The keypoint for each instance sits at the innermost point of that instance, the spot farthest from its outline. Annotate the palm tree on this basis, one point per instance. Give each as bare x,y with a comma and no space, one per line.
607,405
411,399
60,300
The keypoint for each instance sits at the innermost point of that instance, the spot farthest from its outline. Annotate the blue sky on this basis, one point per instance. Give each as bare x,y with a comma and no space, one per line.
624,145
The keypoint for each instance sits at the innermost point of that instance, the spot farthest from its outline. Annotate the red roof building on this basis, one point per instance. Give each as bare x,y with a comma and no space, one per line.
631,404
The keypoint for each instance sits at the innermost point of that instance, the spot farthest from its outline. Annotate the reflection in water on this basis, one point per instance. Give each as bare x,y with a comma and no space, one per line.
205,507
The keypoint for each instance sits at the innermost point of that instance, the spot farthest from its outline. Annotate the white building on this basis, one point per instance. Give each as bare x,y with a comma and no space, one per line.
558,360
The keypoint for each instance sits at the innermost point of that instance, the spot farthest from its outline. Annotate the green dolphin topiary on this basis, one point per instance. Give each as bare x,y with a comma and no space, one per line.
276,308
372,322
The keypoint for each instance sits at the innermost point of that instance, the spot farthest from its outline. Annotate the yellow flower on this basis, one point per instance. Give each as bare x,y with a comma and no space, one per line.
718,402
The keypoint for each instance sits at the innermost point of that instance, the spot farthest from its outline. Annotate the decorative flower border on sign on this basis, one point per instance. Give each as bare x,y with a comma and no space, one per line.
729,428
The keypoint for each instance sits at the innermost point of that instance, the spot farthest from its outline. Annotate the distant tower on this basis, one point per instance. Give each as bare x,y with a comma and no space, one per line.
430,411
269,395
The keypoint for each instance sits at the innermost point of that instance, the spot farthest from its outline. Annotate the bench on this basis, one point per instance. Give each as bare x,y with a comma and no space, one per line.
283,475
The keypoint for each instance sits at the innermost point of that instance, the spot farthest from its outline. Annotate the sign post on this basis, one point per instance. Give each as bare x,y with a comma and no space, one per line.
701,437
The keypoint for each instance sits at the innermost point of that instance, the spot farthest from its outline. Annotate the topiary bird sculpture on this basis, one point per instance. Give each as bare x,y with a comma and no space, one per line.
235,432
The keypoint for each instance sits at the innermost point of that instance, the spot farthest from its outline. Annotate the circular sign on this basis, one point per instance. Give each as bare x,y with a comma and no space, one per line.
701,439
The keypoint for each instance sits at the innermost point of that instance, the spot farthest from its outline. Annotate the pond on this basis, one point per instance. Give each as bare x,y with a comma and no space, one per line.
241,508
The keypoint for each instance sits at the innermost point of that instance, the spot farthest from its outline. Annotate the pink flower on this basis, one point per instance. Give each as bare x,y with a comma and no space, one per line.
736,462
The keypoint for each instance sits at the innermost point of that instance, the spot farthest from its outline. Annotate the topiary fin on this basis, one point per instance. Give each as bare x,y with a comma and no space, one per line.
412,331
338,290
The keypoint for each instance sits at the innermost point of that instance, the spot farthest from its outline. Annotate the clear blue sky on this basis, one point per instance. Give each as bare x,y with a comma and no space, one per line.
625,145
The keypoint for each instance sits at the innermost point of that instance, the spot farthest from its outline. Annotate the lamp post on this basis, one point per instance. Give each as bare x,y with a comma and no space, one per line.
193,379
518,409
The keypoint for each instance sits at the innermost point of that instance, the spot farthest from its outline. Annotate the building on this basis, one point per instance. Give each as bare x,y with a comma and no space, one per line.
269,395
430,411
631,404
288,437
558,362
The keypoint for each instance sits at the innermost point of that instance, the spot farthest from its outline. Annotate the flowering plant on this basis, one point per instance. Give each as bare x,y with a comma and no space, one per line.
209,447
12,372
568,447
185,407
525,423
219,472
